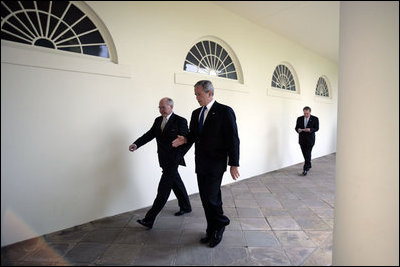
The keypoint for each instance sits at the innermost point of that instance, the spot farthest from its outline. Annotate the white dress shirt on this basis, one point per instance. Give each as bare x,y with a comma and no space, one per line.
207,110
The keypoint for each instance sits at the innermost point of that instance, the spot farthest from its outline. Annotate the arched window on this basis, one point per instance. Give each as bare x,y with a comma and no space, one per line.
284,78
322,88
211,58
61,25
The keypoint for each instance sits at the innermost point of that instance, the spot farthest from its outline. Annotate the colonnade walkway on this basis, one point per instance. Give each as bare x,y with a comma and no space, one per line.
277,218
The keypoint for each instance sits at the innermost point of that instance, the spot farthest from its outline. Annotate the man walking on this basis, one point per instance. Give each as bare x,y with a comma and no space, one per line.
214,132
306,126
165,129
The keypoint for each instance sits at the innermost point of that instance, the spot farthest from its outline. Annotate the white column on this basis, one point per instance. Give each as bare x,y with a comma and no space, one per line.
366,230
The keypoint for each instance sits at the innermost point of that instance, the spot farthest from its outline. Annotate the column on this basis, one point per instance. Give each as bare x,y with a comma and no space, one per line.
366,230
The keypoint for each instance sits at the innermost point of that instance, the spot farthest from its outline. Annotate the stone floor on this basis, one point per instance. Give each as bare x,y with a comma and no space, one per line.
278,218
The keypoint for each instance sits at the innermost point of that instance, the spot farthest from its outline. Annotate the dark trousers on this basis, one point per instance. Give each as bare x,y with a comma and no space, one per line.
306,150
170,179
210,195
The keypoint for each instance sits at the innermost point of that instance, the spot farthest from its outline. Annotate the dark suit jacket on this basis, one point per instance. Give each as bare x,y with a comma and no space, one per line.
304,137
167,155
218,143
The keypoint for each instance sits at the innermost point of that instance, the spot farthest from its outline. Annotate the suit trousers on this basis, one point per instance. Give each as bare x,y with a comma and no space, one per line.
306,150
170,179
210,195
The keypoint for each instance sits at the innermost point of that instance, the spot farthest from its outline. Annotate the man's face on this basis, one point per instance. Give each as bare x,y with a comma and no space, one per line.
202,97
307,113
164,108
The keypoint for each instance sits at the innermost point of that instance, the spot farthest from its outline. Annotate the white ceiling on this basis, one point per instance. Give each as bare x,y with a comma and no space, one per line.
313,24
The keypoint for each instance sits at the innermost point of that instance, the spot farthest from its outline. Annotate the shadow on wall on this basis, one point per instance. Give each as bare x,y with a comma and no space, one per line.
112,177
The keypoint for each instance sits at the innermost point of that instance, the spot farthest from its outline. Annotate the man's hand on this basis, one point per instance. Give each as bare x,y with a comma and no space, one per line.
299,130
132,147
180,140
235,172
307,130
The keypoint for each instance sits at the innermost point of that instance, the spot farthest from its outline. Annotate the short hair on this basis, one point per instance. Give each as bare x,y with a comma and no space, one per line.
307,108
170,102
207,86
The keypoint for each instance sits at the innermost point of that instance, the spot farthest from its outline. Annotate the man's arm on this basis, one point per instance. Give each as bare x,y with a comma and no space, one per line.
232,137
188,139
298,127
147,137
315,125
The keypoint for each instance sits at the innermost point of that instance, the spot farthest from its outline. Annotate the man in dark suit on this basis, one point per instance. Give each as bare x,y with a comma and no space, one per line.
165,129
214,132
306,126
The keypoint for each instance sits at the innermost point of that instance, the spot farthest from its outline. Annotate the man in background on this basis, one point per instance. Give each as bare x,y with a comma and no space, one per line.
306,126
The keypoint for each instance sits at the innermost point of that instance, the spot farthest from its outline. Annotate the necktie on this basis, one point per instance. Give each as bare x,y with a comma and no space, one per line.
305,122
163,123
202,119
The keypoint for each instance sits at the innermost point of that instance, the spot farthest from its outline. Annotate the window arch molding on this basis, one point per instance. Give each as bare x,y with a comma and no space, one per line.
37,32
323,87
274,77
225,47
101,27
324,99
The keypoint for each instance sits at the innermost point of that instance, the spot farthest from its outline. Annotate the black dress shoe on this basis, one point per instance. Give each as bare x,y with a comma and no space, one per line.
216,237
205,239
181,212
304,173
146,224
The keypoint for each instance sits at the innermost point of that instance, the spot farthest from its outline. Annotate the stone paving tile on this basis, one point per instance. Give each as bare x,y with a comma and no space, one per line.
52,252
295,239
245,203
233,239
277,218
260,239
283,223
230,256
104,235
269,256
196,254
133,236
169,222
297,256
254,224
164,237
86,252
159,255
117,254
249,213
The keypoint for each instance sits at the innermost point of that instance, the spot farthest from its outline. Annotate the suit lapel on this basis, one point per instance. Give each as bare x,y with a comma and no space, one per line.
309,121
210,115
169,122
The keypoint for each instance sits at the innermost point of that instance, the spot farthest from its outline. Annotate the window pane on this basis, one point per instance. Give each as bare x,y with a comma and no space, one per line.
84,25
72,15
76,49
214,60
282,78
96,50
91,38
58,8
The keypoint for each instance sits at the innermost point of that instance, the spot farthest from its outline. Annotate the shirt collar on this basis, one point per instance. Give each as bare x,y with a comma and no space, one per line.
169,116
210,104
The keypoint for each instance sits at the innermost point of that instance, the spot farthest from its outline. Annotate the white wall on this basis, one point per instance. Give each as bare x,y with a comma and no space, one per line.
366,228
65,134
